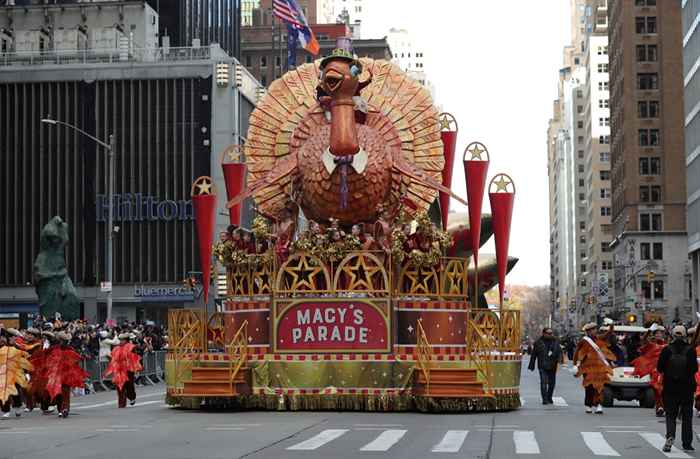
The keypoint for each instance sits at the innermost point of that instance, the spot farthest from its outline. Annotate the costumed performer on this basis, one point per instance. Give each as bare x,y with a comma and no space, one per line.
59,373
647,361
124,365
14,363
592,361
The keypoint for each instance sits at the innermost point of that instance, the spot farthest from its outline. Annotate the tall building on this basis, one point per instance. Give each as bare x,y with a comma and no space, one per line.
172,111
577,141
354,13
409,56
650,245
691,79
595,297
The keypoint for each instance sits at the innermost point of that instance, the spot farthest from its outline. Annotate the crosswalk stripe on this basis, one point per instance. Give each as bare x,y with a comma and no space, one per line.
525,442
559,401
656,440
451,442
597,444
522,401
318,440
385,440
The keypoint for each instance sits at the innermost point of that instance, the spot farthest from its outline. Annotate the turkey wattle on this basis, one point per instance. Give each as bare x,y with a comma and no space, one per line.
342,136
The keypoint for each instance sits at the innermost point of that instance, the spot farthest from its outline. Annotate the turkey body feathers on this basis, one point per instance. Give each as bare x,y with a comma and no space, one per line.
13,365
124,361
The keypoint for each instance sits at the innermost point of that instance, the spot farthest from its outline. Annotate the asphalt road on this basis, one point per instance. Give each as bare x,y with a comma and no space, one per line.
150,429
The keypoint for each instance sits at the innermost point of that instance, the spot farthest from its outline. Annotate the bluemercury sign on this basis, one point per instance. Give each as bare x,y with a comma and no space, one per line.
138,207
164,293
332,326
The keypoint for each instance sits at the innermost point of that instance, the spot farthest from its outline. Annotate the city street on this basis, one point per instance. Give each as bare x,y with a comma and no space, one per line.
150,429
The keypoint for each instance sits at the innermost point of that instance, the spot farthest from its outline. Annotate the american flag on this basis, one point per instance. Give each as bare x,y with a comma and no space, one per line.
286,12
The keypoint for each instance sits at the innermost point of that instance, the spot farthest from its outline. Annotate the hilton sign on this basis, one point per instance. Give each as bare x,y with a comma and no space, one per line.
138,207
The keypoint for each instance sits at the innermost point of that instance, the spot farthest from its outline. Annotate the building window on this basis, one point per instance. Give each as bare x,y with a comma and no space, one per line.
644,194
649,137
602,68
580,182
263,80
580,124
645,24
650,222
580,168
603,121
605,175
582,225
583,268
647,81
605,265
579,94
651,24
650,166
648,109
605,247
580,154
644,2
248,61
583,257
580,139
653,290
602,50
604,156
658,251
655,193
605,211
604,139
278,61
579,109
604,193
603,103
645,251
263,61
603,85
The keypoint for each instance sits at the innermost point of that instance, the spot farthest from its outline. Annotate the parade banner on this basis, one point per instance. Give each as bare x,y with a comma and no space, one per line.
501,200
204,206
332,326
234,177
449,142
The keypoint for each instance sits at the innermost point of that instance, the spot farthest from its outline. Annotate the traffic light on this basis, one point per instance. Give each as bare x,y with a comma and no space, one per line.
650,276
631,318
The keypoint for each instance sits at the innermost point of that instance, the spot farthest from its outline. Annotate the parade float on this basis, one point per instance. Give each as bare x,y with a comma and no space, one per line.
354,287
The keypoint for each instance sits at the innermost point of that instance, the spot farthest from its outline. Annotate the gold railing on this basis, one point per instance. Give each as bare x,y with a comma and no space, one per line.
238,352
187,330
254,277
479,351
423,354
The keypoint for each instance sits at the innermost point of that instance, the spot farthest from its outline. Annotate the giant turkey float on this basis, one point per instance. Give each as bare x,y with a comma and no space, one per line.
354,287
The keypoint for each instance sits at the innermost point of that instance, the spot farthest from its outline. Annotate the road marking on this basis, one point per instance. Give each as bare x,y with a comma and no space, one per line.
235,425
559,401
114,402
522,401
15,432
385,440
224,429
525,442
451,442
378,425
656,440
318,440
117,430
622,427
498,426
597,444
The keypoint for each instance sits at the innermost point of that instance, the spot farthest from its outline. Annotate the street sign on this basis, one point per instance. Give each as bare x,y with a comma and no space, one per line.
105,287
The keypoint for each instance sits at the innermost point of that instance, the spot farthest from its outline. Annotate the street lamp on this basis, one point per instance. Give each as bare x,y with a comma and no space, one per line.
109,146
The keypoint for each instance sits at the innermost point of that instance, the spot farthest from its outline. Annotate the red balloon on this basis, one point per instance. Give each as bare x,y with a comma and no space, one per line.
234,176
502,215
449,141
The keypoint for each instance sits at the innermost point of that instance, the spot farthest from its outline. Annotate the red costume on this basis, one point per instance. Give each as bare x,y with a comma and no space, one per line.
56,372
646,364
123,366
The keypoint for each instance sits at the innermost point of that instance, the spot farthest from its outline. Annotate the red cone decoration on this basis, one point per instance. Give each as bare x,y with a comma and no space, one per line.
449,141
502,214
204,205
234,177
475,169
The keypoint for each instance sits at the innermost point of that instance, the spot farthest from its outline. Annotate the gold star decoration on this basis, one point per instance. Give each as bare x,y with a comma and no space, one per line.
420,280
476,151
233,153
204,185
303,274
364,273
445,123
502,184
455,275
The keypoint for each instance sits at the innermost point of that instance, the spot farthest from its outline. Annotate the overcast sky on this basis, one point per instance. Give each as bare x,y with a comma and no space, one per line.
495,66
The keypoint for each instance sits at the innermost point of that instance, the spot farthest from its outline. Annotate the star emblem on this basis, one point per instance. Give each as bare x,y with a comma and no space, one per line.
410,329
476,151
445,123
360,274
204,185
502,184
233,153
423,285
303,274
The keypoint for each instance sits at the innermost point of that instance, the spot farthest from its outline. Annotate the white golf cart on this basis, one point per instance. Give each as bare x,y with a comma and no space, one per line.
624,385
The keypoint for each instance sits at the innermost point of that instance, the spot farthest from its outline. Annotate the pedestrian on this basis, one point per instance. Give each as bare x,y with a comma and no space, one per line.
592,361
123,367
547,354
678,365
570,347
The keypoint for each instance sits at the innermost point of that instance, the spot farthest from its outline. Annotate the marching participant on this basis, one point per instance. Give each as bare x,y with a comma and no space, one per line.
123,366
591,360
32,343
646,363
15,363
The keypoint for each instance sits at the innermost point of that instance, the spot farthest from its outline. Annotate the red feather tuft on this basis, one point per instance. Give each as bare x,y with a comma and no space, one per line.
63,369
124,361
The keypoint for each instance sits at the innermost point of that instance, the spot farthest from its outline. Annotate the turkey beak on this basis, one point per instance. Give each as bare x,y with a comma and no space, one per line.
333,80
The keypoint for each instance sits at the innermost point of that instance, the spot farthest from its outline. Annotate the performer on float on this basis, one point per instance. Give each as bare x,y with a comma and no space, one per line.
15,363
592,361
648,358
123,367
